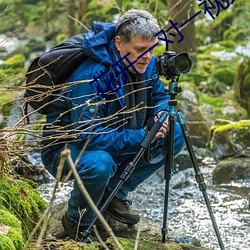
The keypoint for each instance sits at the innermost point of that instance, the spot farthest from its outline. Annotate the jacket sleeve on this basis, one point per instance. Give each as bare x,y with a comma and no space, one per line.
88,119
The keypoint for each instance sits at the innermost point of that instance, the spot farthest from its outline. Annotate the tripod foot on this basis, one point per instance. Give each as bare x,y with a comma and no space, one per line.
164,232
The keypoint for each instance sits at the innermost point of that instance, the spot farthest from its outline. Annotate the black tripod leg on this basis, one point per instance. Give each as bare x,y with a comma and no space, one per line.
129,169
168,173
199,177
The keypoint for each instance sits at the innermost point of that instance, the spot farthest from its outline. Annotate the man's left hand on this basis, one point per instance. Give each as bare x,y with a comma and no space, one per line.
164,128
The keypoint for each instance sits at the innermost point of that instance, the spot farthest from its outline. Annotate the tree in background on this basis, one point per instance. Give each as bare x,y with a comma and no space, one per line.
180,11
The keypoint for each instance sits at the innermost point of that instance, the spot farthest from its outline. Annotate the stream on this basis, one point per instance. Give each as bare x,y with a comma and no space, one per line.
187,212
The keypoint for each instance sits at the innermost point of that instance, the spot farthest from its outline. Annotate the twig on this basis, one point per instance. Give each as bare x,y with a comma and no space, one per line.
77,21
66,154
45,217
99,238
137,236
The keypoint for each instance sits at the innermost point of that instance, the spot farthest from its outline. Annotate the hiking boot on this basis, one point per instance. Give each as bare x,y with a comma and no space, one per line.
121,211
75,231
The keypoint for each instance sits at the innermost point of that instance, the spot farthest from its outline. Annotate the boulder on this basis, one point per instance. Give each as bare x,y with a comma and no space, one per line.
150,235
197,125
231,139
231,169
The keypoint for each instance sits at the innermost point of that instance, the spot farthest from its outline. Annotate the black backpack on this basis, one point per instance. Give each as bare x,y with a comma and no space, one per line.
48,73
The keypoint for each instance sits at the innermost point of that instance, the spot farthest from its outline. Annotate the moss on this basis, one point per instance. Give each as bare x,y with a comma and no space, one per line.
212,100
236,125
228,45
16,237
6,96
60,38
16,61
13,71
10,220
13,239
22,200
224,75
6,243
242,84
128,244
13,66
219,103
159,49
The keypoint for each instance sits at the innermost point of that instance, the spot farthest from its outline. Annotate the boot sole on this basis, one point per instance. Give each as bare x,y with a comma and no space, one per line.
121,219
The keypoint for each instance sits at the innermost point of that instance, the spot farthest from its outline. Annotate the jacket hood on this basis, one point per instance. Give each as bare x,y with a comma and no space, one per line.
98,43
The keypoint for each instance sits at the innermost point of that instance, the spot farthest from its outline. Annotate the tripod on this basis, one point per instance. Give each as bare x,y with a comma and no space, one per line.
129,169
169,163
173,90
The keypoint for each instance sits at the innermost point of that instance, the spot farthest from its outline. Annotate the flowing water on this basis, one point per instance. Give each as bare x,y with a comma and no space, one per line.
187,212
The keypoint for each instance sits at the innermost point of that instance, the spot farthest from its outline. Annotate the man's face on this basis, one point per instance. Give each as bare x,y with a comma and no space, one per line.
136,47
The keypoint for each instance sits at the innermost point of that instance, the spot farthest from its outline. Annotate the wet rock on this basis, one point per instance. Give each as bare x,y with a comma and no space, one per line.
231,169
197,125
31,167
150,234
181,179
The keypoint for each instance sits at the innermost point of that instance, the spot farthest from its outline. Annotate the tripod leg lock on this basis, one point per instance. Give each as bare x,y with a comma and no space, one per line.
127,172
200,180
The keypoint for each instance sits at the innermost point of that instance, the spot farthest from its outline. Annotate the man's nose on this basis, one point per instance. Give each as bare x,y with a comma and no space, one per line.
147,55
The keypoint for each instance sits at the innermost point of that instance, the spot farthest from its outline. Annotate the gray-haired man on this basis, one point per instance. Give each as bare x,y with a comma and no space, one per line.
113,128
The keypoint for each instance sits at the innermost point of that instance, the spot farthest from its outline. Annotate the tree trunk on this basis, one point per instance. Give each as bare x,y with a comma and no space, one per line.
83,7
71,6
180,11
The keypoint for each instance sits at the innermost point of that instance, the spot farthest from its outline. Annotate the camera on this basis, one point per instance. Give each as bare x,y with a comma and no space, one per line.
172,65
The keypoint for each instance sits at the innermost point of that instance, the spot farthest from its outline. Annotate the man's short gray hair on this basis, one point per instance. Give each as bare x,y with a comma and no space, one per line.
137,22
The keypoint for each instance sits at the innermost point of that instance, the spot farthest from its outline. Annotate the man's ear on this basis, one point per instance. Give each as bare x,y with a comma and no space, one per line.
118,43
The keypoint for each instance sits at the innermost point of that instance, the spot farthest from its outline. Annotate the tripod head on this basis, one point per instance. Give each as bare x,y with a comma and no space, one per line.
174,89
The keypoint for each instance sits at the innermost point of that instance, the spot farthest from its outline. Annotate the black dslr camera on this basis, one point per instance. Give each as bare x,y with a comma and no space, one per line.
172,65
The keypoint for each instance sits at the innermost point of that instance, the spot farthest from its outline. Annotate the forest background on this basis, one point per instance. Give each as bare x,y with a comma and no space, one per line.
217,44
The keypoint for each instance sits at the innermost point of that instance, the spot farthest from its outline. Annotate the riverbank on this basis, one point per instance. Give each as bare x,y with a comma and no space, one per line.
188,215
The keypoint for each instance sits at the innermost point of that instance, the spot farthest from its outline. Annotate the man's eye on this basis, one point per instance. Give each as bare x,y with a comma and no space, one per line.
140,50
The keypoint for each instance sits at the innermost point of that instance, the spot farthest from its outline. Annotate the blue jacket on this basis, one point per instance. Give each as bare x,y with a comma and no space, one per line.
103,124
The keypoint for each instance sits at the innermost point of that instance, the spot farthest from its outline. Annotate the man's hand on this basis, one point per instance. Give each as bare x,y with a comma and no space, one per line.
164,128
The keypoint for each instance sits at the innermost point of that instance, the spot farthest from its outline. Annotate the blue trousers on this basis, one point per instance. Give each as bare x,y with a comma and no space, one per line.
100,170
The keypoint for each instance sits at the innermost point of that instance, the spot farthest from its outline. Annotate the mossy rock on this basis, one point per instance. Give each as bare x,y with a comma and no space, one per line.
219,107
10,231
150,235
232,139
127,244
22,200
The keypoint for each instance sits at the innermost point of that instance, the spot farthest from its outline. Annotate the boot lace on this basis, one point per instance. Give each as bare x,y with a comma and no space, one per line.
127,203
